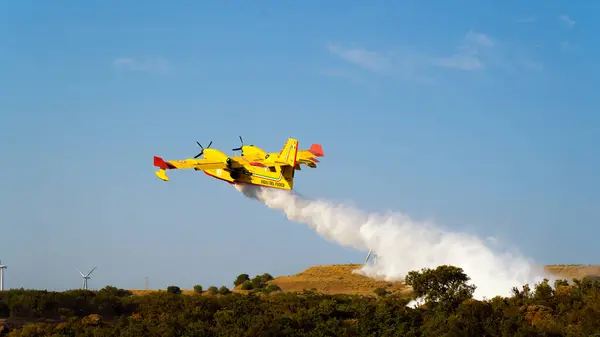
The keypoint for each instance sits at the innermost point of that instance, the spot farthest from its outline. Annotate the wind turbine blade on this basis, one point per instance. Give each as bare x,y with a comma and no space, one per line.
80,273
88,274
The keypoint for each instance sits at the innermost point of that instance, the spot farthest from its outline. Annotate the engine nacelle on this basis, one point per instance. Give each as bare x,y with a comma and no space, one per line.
216,155
253,151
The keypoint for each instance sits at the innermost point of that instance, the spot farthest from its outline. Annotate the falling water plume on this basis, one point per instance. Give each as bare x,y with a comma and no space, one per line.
403,244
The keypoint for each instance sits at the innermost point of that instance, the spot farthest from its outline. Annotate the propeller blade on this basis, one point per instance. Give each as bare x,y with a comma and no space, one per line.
239,148
202,147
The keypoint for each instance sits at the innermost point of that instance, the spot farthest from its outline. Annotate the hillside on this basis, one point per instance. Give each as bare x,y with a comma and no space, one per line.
339,279
330,279
570,311
570,271
335,279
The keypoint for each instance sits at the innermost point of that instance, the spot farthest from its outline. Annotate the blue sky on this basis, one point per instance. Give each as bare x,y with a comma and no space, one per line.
481,117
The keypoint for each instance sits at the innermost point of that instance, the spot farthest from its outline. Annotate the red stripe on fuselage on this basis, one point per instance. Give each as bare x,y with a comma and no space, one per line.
214,176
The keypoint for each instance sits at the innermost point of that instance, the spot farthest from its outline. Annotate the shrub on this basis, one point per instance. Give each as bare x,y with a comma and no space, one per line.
198,289
247,285
266,277
380,292
446,285
174,290
272,287
241,279
257,282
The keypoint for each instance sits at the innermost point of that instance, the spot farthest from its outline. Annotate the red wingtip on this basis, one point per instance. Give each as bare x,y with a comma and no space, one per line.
159,162
317,150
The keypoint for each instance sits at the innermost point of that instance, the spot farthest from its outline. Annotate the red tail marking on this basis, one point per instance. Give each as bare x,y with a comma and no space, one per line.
317,150
314,159
159,162
257,164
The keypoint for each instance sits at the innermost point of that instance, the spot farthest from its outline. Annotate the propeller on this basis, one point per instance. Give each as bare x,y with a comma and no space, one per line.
239,148
201,152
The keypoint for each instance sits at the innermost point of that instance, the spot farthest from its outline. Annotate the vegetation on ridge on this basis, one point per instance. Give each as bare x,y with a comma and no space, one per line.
448,310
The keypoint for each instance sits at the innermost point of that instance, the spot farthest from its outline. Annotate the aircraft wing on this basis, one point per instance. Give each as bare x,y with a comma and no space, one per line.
259,162
196,164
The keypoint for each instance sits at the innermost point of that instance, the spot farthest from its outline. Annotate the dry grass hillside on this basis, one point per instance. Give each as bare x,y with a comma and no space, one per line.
570,271
148,291
335,279
339,279
331,279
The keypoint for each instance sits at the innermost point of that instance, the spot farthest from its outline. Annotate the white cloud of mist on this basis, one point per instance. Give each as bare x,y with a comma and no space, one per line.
564,18
402,244
474,52
468,55
360,56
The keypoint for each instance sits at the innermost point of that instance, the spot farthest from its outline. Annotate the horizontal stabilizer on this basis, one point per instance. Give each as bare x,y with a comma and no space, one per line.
162,174
317,150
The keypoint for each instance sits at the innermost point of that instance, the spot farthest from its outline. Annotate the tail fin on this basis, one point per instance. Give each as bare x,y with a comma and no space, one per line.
289,152
317,150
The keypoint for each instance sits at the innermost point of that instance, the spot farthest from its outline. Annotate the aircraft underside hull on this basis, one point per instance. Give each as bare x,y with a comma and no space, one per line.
258,176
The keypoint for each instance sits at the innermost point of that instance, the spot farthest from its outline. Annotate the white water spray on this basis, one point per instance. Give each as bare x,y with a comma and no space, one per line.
403,245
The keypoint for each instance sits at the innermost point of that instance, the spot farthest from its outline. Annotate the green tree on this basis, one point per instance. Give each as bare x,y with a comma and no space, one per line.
266,277
560,283
174,290
525,293
114,291
247,285
272,287
213,290
241,279
224,290
543,292
446,285
4,310
258,283
198,289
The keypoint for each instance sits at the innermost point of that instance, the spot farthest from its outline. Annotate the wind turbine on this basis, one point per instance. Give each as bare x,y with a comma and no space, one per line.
2,267
86,277
369,255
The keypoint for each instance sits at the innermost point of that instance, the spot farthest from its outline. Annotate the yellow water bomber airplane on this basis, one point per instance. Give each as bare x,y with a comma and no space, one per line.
254,165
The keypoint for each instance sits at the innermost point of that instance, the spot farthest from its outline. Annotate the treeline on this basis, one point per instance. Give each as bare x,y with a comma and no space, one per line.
448,309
